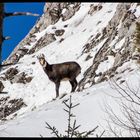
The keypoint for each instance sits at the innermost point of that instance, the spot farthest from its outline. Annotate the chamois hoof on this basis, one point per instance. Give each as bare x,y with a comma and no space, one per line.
54,99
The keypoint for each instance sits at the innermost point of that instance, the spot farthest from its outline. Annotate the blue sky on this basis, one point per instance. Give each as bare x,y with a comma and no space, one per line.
17,27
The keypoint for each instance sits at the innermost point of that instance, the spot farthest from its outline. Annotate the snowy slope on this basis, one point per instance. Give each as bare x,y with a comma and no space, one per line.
38,94
41,89
90,112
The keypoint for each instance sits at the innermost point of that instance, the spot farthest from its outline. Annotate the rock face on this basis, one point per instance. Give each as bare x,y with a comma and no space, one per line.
21,78
10,107
1,86
10,73
126,19
52,13
94,8
110,32
14,76
59,32
42,42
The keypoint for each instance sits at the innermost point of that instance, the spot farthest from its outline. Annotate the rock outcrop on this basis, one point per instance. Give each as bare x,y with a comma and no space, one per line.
122,26
1,86
14,76
8,107
52,13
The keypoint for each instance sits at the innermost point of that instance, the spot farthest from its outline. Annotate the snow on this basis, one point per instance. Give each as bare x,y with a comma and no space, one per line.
137,13
119,44
113,42
63,11
38,94
135,9
48,113
107,64
89,113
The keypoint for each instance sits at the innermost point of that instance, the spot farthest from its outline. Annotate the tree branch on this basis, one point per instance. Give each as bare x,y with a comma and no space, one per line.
20,14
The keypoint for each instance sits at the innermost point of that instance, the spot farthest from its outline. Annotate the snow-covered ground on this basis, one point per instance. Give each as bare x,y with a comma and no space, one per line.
90,112
38,94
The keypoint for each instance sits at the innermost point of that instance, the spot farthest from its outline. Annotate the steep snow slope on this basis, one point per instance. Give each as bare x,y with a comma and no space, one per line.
38,94
41,89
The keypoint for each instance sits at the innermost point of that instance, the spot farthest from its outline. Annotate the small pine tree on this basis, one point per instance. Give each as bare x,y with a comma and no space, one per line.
72,128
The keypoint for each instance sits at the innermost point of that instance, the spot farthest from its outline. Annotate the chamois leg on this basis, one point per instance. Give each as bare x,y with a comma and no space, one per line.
57,84
73,84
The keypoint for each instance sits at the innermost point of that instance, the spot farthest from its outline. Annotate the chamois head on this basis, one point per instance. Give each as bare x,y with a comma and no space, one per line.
42,60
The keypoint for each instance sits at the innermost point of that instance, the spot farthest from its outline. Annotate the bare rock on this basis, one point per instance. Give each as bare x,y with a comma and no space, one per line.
10,73
122,55
69,12
59,32
94,8
1,86
10,107
21,78
42,42
28,79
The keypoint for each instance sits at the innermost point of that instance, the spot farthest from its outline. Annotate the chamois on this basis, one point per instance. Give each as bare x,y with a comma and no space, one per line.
59,72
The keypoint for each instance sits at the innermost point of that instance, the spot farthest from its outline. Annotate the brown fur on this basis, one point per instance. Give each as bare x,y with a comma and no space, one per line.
60,72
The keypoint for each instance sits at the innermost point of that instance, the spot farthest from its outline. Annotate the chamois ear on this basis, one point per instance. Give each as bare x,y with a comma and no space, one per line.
43,55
